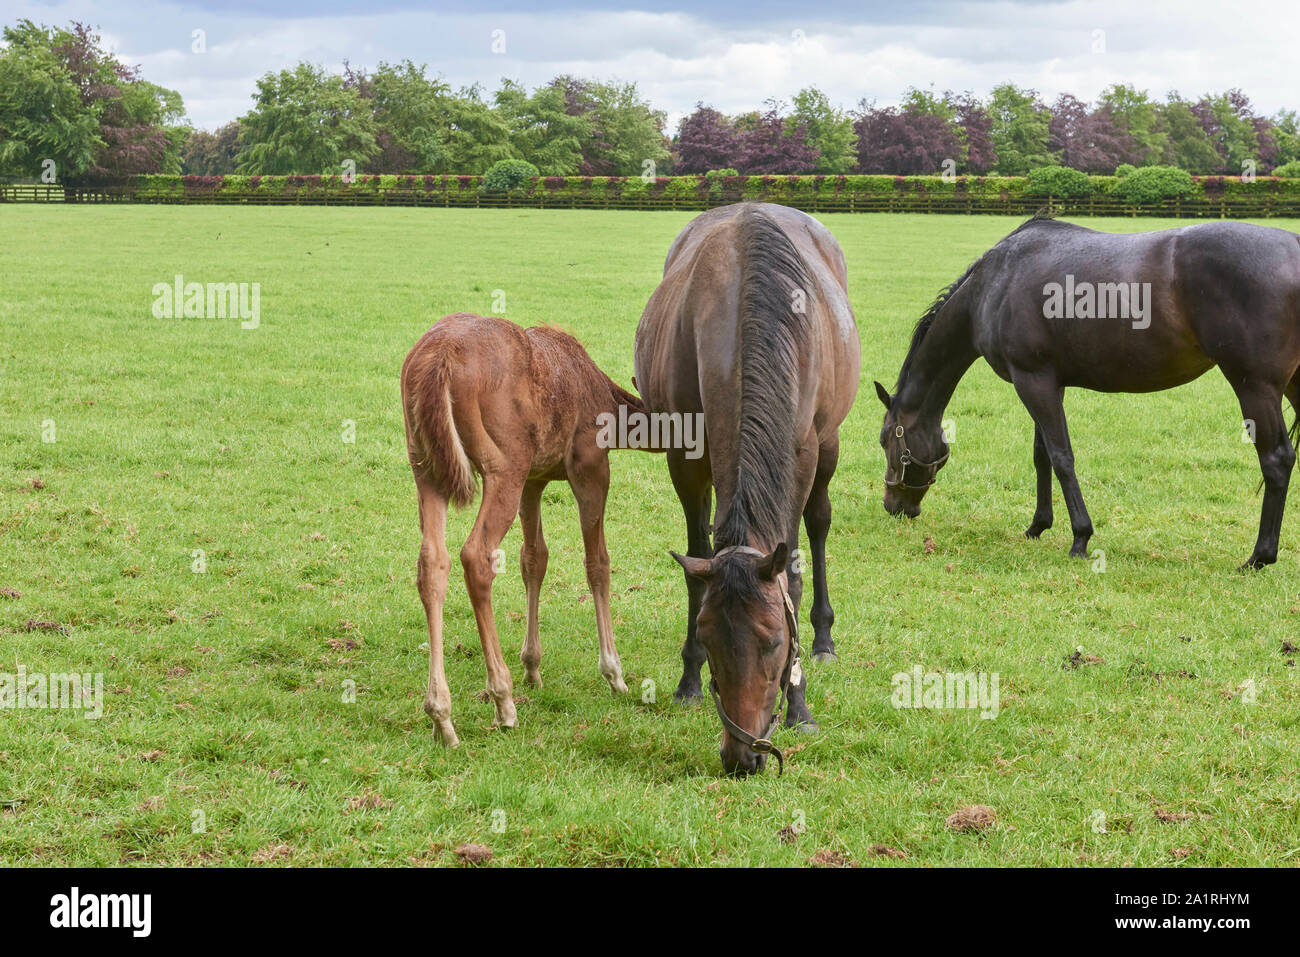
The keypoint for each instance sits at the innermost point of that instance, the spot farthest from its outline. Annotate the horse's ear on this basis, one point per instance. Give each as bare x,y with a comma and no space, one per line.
885,397
698,568
774,564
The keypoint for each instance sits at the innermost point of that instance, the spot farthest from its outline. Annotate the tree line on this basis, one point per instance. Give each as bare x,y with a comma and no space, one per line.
65,99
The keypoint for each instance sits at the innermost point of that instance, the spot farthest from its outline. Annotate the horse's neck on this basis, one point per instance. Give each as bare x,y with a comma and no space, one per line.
942,358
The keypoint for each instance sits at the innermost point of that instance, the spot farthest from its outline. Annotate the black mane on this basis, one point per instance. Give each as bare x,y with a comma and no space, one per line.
772,337
923,324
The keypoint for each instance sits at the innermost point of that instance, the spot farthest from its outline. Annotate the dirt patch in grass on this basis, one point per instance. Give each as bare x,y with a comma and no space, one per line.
826,858
32,624
1079,659
272,853
884,850
970,818
473,854
367,801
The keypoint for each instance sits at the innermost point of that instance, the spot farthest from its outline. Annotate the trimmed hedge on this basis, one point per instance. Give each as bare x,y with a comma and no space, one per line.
1153,184
507,175
1143,190
1059,181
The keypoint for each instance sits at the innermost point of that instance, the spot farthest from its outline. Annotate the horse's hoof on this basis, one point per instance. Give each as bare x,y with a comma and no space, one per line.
688,699
1035,530
1079,551
805,726
1252,565
823,657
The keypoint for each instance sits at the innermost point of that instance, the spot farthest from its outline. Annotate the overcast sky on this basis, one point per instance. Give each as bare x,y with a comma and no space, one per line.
680,52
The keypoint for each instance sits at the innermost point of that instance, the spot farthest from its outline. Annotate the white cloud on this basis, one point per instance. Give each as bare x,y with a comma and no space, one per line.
679,58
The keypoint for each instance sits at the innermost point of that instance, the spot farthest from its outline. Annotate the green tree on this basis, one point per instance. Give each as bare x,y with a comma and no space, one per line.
1138,116
478,135
411,112
305,121
1286,133
1021,128
829,130
1190,146
626,131
64,97
1231,128
42,112
211,154
542,130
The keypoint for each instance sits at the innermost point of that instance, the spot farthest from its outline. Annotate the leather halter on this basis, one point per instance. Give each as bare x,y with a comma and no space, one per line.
906,458
763,744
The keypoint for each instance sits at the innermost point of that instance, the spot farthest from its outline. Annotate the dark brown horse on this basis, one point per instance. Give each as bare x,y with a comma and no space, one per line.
751,328
1054,306
521,407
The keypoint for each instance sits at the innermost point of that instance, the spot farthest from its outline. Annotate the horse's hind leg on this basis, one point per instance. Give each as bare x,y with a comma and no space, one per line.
480,558
432,569
1262,405
532,563
590,483
1044,400
693,482
1042,520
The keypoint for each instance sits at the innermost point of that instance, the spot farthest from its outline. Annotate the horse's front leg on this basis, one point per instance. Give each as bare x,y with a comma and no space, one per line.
817,521
693,482
1042,520
1263,406
1044,400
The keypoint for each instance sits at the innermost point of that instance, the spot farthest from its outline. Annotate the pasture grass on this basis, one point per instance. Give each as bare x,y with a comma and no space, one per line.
227,739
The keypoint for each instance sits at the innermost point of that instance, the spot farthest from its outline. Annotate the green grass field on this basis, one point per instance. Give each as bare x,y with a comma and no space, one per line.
227,736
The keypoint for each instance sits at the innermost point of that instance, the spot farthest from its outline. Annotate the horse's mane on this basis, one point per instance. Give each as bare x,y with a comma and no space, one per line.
923,324
771,338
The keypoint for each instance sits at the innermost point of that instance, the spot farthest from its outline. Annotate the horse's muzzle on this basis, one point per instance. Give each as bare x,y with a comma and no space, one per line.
910,509
739,760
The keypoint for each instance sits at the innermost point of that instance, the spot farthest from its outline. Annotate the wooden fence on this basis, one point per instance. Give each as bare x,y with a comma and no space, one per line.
960,204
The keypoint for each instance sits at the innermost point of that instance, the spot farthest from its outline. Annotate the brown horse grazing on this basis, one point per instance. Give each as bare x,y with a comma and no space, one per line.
520,407
1055,306
751,328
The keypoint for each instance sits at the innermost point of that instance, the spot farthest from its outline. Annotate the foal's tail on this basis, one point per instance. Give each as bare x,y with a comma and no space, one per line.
432,442
621,396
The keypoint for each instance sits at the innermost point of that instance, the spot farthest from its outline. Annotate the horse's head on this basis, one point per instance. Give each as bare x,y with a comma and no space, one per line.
746,625
913,457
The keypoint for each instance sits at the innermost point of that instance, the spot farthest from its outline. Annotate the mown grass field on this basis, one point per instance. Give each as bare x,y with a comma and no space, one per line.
226,689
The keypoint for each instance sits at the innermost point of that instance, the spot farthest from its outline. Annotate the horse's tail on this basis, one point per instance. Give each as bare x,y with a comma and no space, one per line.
432,441
621,396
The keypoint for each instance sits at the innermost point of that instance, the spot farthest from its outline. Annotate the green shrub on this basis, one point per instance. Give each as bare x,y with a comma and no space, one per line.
1151,184
1123,169
683,186
507,175
1290,169
1060,181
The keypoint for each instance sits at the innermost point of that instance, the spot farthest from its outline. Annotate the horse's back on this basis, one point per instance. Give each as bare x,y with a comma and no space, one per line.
1137,312
688,332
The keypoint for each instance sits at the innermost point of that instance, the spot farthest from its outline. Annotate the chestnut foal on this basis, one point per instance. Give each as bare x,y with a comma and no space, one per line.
519,407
